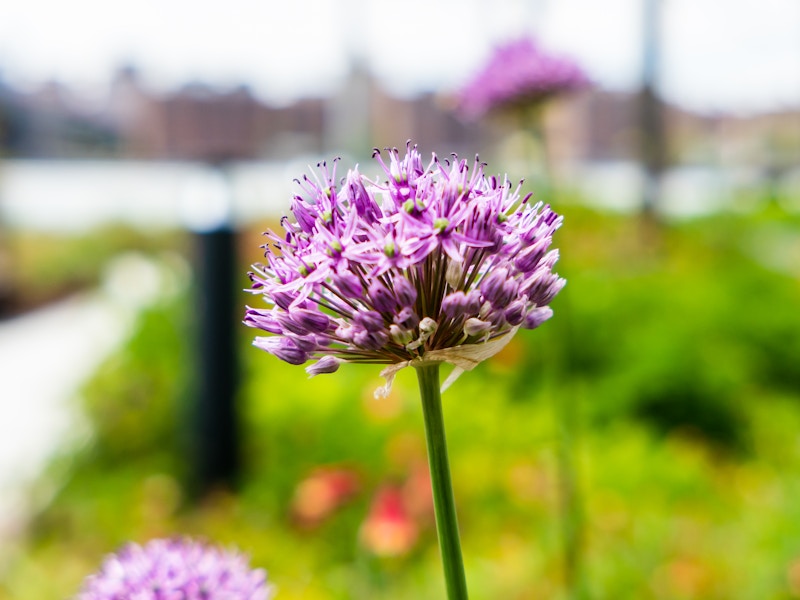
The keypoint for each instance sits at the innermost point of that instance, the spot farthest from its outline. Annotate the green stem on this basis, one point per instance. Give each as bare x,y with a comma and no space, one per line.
443,501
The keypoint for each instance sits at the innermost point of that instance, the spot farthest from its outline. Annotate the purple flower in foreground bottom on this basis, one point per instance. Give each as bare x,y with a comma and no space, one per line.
176,570
437,263
519,73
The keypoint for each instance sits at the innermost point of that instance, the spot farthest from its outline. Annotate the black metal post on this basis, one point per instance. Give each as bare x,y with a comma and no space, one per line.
216,440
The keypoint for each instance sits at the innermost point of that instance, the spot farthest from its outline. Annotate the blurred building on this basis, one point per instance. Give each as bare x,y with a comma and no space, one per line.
53,121
604,126
202,122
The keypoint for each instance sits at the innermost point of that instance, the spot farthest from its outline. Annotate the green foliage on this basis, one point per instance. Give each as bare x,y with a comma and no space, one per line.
47,266
137,398
668,374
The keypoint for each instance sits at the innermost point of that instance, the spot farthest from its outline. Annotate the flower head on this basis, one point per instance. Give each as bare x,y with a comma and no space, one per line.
518,73
176,570
432,263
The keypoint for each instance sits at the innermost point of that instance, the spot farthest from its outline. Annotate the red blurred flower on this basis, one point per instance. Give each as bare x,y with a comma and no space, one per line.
319,495
389,529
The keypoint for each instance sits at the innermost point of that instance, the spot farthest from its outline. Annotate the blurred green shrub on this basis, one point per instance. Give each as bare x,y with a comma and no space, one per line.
674,347
47,266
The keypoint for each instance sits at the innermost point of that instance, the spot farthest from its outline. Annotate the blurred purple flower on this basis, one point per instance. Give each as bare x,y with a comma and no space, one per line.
176,570
519,73
433,258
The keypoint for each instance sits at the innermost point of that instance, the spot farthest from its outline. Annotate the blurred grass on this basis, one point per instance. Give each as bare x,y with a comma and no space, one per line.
45,266
676,348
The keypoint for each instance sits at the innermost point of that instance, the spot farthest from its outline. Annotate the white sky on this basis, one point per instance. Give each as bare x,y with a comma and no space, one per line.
718,54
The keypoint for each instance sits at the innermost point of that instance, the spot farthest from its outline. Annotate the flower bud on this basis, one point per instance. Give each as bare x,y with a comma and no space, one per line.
543,286
326,364
369,320
347,284
365,205
475,326
551,258
473,302
492,285
407,318
454,272
427,326
283,299
405,292
453,305
529,258
537,316
485,310
306,343
283,348
311,320
370,340
262,319
345,332
555,286
289,325
507,293
381,298
515,313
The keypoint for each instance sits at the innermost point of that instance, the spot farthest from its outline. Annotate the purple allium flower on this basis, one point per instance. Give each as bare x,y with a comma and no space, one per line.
176,570
431,262
519,73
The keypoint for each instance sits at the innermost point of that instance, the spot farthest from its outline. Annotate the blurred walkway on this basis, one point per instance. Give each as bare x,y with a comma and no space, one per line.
45,357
